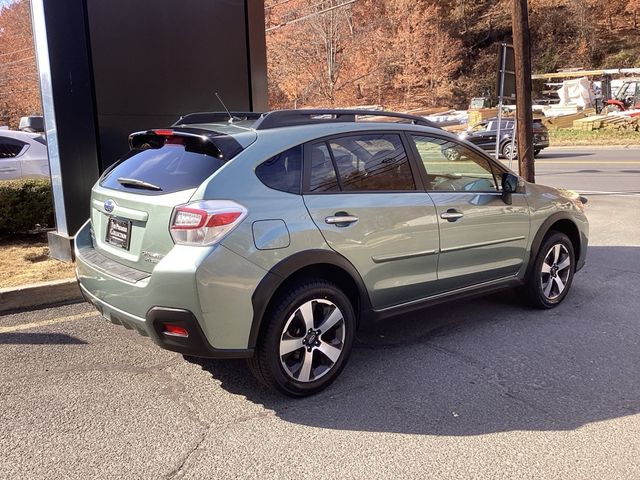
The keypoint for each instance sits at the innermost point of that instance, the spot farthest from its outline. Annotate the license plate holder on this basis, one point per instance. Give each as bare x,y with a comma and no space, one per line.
118,232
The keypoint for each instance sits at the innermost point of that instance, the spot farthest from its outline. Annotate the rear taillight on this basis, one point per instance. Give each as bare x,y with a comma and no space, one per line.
205,222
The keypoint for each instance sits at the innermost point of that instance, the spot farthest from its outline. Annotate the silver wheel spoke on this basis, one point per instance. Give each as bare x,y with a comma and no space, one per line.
546,268
564,264
306,311
547,288
330,351
290,345
304,333
305,371
556,253
559,283
331,320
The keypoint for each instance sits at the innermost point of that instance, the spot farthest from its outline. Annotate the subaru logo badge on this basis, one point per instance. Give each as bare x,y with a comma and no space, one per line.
109,205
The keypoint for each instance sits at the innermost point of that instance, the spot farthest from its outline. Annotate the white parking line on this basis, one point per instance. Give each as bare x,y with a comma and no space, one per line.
44,323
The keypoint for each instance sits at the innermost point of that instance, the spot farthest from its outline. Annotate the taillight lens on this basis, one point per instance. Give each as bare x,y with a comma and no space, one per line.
205,222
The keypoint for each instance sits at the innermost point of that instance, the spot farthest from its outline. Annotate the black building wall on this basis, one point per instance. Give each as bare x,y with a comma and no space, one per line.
108,68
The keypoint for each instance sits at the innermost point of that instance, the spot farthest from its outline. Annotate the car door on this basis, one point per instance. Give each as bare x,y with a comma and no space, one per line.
365,197
482,238
10,149
476,134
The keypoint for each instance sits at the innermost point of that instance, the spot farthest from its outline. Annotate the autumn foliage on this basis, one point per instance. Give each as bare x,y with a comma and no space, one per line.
420,53
19,87
396,53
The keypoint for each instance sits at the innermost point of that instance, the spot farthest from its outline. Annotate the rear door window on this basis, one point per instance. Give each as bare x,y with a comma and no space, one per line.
10,147
168,169
372,163
364,163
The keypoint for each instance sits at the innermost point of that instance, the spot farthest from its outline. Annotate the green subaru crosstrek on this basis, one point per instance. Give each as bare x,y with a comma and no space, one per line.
274,236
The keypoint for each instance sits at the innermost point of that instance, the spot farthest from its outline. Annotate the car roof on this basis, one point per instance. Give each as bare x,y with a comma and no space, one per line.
19,135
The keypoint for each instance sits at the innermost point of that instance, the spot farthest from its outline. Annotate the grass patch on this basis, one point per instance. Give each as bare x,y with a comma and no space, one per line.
25,259
570,137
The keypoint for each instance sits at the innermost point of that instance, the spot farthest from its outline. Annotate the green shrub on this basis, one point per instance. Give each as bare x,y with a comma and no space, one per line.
25,204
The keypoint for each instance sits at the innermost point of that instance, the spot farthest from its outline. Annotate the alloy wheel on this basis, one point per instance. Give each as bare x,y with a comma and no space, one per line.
312,340
555,271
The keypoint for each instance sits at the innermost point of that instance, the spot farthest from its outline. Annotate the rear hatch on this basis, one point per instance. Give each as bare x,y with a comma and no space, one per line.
133,202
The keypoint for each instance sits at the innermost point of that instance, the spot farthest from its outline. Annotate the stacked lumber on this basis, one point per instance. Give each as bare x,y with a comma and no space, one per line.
621,122
607,122
594,122
566,121
476,116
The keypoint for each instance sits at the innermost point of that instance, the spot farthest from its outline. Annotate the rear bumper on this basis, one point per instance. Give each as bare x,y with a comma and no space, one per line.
189,287
196,344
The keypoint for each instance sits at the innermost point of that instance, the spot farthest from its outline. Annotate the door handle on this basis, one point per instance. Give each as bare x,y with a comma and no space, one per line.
341,220
451,215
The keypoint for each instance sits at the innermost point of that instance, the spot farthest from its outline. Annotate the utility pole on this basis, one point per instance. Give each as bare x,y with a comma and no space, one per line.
524,113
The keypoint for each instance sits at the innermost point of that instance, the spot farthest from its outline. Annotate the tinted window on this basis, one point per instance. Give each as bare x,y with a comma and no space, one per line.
170,168
10,148
454,167
323,175
372,163
282,172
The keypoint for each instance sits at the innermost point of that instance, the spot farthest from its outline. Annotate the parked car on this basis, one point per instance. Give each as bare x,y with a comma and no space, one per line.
483,134
274,237
23,155
627,97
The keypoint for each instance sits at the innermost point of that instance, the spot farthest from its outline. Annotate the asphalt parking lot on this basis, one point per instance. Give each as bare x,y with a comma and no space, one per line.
483,388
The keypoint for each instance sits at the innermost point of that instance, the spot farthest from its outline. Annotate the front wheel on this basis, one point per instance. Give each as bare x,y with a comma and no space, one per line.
550,278
306,341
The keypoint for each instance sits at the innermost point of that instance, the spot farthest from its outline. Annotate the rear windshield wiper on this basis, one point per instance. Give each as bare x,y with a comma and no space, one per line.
134,182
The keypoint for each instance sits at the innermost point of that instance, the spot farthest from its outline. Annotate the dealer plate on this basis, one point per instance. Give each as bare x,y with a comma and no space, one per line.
118,232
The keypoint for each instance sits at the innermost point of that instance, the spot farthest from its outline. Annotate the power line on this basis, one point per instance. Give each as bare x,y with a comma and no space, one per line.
17,61
15,51
276,4
305,17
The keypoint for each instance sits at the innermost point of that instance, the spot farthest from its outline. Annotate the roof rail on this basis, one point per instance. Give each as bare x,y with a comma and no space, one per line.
289,118
215,117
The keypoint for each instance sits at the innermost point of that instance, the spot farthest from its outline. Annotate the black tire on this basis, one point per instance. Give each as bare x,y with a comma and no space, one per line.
536,152
504,151
542,290
277,373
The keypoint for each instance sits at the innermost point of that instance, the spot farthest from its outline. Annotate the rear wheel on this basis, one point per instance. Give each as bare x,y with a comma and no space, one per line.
509,151
306,341
552,273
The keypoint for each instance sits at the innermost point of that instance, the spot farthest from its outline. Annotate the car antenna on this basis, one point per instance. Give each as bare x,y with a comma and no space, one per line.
231,117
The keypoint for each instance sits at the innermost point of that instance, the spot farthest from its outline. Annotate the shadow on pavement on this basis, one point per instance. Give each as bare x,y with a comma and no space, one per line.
486,365
545,154
15,338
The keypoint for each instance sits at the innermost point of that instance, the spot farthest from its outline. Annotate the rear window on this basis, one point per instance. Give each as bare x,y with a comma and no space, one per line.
155,171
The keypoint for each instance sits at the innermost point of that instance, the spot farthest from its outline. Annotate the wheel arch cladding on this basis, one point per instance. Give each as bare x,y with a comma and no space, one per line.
559,223
321,264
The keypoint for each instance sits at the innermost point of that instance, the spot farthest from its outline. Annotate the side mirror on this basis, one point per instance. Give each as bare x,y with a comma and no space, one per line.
509,186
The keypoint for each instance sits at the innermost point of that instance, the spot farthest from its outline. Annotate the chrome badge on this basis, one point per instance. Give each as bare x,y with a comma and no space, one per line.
109,205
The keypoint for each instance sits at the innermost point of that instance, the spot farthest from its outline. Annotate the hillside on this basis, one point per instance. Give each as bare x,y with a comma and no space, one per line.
420,53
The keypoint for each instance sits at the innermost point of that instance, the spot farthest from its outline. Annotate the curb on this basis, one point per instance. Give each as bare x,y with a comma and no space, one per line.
36,295
626,146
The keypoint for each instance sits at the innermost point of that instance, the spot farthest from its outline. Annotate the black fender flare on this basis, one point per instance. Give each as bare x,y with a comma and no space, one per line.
542,232
282,271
